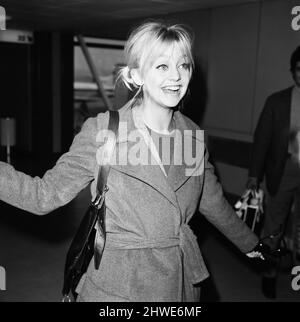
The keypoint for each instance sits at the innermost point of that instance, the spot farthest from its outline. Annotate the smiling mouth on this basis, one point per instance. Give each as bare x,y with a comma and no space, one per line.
171,89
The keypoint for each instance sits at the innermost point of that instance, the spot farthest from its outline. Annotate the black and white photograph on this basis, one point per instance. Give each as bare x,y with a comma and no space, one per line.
150,153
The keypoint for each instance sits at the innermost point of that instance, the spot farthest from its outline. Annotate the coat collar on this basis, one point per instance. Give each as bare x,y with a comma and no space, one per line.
132,126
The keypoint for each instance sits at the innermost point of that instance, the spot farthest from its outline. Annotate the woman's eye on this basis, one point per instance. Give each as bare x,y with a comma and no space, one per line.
185,66
162,67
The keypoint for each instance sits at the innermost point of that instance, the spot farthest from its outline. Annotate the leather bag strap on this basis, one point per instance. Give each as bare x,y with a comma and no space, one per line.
104,169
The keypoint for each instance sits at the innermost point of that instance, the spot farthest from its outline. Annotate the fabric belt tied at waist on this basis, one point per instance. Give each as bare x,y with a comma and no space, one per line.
193,263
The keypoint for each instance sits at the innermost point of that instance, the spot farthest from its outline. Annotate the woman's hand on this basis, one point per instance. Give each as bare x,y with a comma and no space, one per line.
259,251
264,251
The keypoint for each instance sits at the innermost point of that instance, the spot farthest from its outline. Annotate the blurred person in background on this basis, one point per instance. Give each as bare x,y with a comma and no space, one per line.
275,155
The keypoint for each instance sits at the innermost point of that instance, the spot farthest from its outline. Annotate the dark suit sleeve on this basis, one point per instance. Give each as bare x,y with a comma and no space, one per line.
217,211
261,142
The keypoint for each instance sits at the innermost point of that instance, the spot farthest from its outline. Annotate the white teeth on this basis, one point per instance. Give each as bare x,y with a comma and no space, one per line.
172,88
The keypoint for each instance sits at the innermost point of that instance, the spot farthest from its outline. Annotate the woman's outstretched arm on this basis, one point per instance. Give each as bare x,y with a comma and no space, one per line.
59,185
217,210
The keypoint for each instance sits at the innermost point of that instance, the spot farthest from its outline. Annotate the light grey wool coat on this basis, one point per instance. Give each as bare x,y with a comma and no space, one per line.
151,254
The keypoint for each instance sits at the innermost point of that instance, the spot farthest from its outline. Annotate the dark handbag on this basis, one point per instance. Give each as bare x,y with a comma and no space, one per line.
84,245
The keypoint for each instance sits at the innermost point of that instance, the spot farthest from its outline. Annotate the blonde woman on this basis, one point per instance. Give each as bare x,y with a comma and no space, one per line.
159,178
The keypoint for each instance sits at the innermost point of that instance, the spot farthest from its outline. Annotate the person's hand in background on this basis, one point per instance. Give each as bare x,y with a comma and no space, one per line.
252,184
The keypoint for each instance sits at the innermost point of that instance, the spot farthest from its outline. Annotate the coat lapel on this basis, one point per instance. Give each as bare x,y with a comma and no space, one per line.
287,104
188,153
284,117
134,140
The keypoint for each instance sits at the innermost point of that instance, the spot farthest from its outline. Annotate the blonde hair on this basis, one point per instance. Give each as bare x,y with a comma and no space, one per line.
147,42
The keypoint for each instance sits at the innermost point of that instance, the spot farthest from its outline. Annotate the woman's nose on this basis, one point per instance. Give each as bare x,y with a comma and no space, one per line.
174,73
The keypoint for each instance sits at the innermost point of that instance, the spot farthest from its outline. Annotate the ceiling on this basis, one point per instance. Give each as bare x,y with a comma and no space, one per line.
91,15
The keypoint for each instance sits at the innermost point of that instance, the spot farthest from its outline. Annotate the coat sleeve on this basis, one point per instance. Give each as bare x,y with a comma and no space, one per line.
217,211
73,172
261,142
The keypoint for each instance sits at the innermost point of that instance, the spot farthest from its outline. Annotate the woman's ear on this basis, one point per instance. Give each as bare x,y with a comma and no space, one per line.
136,77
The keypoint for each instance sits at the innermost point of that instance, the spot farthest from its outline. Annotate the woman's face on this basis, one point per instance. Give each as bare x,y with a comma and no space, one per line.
166,80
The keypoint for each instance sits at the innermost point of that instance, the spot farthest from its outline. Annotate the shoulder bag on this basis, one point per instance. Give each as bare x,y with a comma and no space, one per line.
85,245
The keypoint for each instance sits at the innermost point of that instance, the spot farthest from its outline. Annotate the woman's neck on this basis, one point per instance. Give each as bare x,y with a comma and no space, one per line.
157,118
